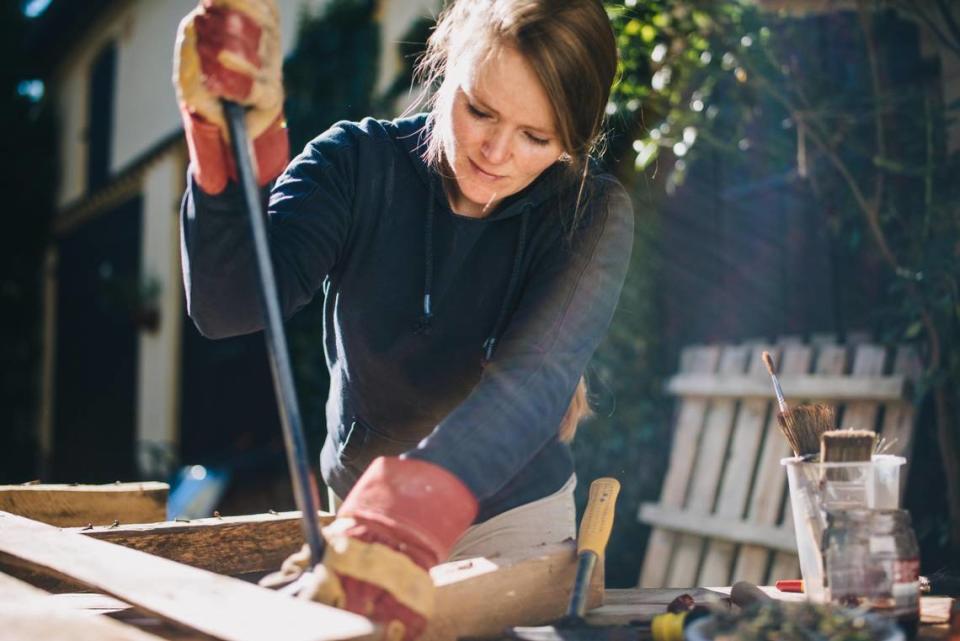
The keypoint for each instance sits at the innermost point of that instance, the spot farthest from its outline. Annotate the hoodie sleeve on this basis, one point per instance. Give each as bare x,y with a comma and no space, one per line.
564,311
309,214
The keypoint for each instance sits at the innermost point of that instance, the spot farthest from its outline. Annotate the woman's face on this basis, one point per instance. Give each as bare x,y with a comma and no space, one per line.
502,133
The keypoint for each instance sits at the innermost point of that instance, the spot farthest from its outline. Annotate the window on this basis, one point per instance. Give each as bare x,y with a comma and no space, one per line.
100,126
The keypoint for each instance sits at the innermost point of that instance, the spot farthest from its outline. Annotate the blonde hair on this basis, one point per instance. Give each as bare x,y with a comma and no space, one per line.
569,44
572,49
578,410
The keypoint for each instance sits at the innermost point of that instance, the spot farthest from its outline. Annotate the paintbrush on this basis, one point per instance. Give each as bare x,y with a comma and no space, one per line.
846,446
781,401
809,422
802,425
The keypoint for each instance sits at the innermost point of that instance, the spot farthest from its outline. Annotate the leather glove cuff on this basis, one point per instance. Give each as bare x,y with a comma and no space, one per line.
212,161
418,501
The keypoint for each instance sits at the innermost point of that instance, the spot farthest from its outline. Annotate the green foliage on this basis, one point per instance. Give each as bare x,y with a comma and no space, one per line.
331,73
842,104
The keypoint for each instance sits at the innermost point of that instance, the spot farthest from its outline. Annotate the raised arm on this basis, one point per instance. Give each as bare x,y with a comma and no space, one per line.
230,50
309,213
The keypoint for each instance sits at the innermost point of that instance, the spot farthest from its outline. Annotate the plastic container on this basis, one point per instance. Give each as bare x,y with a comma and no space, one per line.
816,487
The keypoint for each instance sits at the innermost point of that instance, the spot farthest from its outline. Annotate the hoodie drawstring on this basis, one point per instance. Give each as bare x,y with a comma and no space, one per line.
490,344
423,323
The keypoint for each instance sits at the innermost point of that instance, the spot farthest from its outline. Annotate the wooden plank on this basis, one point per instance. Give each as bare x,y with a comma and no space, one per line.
770,480
475,597
689,424
482,597
231,545
707,471
734,490
868,361
716,527
898,418
796,388
78,505
27,613
219,606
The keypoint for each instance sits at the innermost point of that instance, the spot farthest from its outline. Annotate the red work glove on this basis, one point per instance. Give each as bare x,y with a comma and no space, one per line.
230,49
402,517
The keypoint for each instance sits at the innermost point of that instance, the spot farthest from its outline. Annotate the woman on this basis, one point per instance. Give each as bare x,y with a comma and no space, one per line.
470,259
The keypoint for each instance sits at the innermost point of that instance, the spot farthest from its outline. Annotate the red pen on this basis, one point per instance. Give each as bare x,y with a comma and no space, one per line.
790,585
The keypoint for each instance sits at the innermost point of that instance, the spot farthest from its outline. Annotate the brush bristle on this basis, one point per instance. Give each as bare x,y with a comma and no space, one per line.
847,446
803,426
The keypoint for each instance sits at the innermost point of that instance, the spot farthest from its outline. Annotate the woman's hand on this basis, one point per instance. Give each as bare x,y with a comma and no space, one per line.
230,50
402,517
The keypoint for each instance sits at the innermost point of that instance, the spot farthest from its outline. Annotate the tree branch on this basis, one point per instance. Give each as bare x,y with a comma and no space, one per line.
947,13
918,12
881,144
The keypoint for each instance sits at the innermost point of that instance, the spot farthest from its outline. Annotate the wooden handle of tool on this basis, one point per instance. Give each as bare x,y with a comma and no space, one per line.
598,517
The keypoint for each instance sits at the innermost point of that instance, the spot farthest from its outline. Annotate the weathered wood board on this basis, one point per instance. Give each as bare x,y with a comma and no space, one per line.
231,545
27,613
483,597
219,606
475,597
689,426
78,505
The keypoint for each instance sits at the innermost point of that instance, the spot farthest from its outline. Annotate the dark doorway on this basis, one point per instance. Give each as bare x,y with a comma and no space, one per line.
229,420
96,365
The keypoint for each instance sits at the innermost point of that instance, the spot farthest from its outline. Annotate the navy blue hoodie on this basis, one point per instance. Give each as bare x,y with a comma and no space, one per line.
452,339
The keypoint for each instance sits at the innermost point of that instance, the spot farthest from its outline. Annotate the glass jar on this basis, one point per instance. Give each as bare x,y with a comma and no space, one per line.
846,557
894,549
871,561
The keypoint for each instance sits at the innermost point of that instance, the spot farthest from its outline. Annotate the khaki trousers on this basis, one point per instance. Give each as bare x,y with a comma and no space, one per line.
548,520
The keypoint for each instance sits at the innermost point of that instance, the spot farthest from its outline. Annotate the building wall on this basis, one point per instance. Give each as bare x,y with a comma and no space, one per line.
395,19
158,403
145,115
145,106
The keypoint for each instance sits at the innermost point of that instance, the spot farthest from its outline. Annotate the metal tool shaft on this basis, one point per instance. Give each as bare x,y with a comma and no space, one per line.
586,562
304,483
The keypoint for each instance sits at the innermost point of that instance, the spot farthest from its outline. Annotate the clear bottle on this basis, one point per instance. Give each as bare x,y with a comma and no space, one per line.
894,551
846,557
871,560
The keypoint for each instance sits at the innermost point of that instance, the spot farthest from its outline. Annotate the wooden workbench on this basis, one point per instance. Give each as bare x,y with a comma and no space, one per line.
178,581
620,607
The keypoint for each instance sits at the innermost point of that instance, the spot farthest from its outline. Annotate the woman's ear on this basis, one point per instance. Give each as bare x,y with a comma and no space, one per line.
565,157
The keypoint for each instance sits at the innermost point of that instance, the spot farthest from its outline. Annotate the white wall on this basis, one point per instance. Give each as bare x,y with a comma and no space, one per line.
158,375
145,109
145,113
396,17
